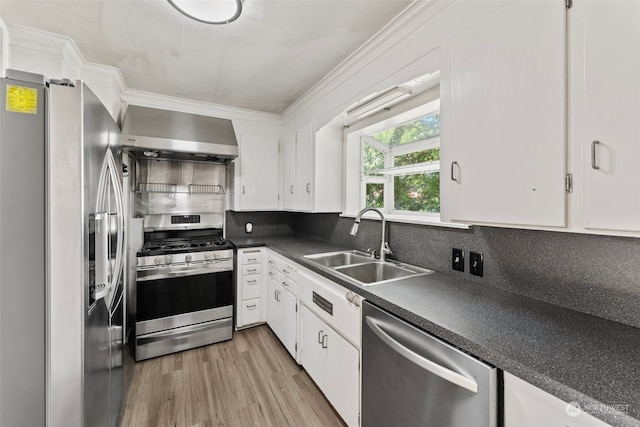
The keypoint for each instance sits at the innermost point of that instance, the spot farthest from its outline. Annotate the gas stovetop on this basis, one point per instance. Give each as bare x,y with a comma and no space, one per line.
178,245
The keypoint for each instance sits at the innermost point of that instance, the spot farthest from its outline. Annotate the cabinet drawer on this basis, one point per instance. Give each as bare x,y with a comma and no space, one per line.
289,271
273,262
250,311
251,286
251,269
272,273
288,284
251,257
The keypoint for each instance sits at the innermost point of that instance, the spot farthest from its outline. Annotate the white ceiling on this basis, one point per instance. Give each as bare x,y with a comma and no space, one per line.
268,58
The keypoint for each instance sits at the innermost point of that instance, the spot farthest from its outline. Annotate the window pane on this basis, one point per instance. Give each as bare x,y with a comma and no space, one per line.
374,195
417,192
426,127
372,160
417,157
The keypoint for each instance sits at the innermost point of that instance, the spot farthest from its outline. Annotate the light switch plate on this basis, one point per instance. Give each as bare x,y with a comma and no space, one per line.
457,259
476,263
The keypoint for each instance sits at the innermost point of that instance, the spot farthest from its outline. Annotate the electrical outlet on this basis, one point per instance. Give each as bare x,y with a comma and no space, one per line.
457,259
476,263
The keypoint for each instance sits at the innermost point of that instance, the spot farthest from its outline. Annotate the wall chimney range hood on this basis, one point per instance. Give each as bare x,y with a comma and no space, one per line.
150,133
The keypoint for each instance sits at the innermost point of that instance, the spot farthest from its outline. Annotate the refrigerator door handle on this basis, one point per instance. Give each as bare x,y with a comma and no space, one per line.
120,248
109,174
438,370
101,254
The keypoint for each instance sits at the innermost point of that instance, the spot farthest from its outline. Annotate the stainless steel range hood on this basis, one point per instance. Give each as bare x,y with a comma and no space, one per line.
162,134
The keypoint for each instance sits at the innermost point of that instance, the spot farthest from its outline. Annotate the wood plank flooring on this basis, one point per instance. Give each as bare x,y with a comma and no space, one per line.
248,381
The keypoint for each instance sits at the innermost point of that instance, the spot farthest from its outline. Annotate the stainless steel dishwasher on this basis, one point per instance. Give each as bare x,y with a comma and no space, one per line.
411,378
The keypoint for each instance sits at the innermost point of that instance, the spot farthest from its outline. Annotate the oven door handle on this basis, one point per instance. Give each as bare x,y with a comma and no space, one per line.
167,273
185,333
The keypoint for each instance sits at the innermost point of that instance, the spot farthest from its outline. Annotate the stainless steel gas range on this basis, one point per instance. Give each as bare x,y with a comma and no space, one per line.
184,284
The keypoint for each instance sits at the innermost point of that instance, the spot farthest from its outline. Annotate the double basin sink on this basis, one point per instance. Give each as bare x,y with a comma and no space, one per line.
365,269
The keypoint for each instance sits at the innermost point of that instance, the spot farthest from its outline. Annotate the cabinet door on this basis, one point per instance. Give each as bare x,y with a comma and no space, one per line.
527,406
288,325
258,173
503,150
313,357
289,171
333,363
343,376
274,308
612,106
304,168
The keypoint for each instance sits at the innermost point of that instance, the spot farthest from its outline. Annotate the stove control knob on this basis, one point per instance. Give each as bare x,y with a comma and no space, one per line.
168,259
187,258
207,256
158,260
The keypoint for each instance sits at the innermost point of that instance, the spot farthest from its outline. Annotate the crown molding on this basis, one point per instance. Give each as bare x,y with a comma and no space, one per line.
155,100
106,74
48,45
408,21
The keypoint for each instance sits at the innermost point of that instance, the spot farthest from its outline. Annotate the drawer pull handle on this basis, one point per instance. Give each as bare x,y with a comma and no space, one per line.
285,284
252,271
320,333
285,271
251,307
252,259
271,274
325,341
252,282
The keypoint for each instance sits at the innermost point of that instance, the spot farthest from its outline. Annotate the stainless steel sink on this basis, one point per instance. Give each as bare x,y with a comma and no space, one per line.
362,268
336,259
377,272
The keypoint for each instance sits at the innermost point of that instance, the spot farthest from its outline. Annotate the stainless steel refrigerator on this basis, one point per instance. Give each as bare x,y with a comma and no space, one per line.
62,250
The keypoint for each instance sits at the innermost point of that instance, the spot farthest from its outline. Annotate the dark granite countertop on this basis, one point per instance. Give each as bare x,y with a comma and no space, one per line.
574,356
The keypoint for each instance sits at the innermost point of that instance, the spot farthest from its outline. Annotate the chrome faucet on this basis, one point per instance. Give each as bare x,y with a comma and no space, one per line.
384,246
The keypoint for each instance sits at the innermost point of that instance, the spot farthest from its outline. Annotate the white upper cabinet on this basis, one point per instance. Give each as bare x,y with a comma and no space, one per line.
503,137
257,184
312,169
608,49
304,168
288,153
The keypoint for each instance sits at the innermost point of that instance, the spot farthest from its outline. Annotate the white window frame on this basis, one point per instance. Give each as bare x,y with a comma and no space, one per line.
389,170
353,196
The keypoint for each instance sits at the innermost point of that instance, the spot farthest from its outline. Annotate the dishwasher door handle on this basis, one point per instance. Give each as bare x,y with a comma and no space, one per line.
442,372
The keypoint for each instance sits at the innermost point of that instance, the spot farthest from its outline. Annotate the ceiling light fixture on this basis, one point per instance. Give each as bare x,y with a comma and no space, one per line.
379,102
209,11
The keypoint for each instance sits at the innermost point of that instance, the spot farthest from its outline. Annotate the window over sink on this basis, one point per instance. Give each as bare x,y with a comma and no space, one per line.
401,167
392,162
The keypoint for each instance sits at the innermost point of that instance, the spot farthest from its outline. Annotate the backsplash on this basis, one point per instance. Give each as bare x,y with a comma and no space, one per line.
598,275
264,223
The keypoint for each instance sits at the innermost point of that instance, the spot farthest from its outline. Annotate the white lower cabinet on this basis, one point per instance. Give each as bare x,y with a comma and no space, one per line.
333,363
250,288
281,314
318,322
527,406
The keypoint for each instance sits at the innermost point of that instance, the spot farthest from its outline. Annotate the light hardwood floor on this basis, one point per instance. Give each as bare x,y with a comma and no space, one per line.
248,381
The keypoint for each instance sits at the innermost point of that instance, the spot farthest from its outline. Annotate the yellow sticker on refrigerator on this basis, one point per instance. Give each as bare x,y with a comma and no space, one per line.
22,99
